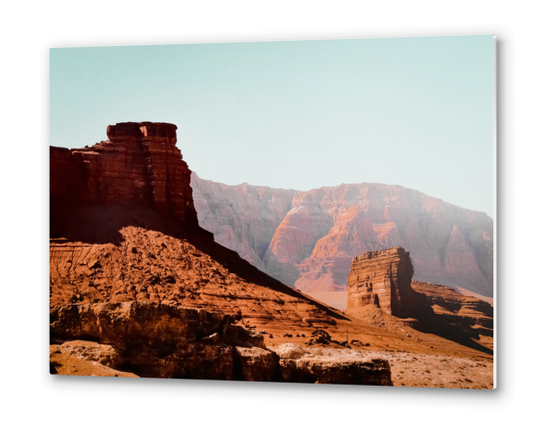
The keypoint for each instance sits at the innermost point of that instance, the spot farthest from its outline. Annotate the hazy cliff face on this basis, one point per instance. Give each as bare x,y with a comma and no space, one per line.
243,218
308,239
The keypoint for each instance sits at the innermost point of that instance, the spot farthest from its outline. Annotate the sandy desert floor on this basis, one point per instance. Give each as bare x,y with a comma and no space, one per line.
334,299
424,370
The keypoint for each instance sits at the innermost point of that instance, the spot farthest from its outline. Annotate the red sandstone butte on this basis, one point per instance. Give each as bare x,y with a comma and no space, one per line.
138,166
382,278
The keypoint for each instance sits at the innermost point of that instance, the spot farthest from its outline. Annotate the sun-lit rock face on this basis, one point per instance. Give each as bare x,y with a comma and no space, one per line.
139,289
312,237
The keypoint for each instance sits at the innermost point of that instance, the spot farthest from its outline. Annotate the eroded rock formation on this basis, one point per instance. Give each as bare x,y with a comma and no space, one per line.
315,234
242,218
139,166
166,340
473,315
117,239
382,278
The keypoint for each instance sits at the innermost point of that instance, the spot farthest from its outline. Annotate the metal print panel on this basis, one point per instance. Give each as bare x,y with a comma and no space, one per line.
302,211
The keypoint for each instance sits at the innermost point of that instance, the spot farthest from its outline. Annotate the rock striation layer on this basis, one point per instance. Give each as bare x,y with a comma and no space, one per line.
382,278
312,236
473,315
242,218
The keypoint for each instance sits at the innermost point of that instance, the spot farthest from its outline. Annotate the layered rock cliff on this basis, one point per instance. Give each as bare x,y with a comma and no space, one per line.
323,229
243,218
382,278
139,166
165,340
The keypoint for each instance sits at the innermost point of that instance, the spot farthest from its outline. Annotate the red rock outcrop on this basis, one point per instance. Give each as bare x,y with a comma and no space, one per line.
165,340
323,229
138,166
312,365
117,239
382,278
473,315
84,357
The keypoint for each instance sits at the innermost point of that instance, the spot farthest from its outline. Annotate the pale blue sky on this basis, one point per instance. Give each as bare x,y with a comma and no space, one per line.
416,112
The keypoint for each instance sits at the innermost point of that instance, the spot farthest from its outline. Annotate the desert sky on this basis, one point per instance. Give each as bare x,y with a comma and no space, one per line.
416,112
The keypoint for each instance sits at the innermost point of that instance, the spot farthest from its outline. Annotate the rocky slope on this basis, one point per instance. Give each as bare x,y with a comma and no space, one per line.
472,314
316,234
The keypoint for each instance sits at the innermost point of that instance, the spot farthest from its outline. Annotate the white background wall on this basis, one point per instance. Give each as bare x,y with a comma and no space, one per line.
29,29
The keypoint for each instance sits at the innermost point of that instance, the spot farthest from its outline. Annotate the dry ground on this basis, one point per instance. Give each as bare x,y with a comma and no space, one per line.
411,369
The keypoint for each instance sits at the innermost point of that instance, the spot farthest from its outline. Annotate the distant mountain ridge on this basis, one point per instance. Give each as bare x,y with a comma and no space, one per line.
307,239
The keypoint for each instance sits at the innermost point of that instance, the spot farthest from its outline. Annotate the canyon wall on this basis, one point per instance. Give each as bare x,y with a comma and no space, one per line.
126,253
243,218
315,234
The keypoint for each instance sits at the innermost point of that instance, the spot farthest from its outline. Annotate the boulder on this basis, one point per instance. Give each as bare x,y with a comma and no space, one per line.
331,366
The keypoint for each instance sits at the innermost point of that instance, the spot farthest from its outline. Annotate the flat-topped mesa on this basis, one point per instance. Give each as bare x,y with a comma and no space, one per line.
143,131
382,278
138,166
